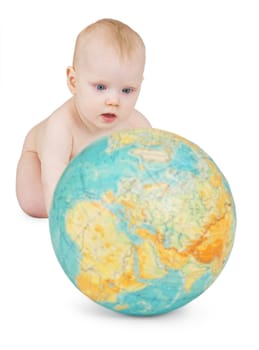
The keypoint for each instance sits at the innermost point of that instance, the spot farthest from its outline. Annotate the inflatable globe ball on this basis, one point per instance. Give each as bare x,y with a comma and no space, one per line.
142,221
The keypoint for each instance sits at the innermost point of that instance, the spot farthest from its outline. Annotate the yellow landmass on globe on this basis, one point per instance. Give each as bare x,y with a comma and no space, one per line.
192,271
149,263
152,155
107,264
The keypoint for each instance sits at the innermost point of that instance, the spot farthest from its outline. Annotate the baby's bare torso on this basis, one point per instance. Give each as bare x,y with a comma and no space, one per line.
79,137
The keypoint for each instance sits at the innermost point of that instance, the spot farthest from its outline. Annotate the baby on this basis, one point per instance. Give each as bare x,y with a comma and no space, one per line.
105,82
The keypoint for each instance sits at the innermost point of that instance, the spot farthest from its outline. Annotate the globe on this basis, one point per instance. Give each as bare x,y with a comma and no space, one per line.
142,221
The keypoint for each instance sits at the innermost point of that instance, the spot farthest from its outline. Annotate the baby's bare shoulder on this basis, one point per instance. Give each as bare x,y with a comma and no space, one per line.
60,118
138,120
54,129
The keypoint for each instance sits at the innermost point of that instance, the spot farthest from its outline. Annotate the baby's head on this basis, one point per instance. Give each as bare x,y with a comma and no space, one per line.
107,72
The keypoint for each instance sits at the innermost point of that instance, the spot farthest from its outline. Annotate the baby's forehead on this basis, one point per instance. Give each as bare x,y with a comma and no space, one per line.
110,67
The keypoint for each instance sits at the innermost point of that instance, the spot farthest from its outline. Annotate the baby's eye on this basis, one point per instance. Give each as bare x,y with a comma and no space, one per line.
100,87
127,90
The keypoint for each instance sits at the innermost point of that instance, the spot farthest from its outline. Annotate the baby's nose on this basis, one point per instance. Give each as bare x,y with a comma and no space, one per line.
113,100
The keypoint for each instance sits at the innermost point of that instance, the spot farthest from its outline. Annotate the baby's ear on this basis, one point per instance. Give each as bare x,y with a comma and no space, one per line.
71,79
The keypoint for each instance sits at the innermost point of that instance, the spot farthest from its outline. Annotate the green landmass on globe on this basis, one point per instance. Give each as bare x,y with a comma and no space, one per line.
142,221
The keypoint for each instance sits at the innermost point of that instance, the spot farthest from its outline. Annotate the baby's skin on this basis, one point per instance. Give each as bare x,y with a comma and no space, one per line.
104,88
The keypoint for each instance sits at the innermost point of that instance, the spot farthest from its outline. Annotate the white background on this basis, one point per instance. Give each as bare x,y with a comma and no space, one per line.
202,82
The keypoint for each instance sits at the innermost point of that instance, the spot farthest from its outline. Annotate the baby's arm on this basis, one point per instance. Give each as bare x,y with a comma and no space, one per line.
54,154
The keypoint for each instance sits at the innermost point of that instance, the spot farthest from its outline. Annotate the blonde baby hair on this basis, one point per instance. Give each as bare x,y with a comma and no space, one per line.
115,33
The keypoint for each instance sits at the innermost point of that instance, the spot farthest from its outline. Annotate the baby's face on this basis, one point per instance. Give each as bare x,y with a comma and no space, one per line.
107,86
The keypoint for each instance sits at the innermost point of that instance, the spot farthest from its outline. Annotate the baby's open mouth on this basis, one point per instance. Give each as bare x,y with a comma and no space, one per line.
108,117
